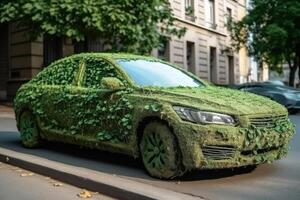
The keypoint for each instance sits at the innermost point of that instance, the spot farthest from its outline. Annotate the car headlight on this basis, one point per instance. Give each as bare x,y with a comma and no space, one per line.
197,116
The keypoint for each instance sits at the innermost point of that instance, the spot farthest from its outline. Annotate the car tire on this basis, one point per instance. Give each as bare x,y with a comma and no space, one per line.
29,130
159,151
292,111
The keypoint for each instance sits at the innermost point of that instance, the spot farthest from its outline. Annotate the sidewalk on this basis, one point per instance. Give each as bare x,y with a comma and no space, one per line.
17,183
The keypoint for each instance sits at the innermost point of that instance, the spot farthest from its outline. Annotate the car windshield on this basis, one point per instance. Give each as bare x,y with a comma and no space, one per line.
153,73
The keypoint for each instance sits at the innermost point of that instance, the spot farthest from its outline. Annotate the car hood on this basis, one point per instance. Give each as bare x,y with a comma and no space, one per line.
217,99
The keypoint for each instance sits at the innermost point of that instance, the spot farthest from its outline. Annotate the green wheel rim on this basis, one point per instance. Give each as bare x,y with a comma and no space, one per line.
159,151
155,152
28,130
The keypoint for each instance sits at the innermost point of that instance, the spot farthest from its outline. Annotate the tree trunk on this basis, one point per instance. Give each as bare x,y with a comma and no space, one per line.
297,61
293,69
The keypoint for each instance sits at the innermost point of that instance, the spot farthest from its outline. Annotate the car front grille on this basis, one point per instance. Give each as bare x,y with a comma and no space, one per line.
259,151
218,152
267,122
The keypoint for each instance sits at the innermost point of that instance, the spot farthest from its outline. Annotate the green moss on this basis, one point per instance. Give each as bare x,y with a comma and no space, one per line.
111,83
71,107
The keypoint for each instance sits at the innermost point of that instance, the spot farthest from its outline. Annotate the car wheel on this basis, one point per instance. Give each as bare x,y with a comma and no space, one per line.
29,130
292,111
160,152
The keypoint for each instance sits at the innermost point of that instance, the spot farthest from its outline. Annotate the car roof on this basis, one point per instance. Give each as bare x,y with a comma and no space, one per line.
113,56
107,56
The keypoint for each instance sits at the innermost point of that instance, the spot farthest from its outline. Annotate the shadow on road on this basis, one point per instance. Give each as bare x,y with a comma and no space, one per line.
216,174
106,162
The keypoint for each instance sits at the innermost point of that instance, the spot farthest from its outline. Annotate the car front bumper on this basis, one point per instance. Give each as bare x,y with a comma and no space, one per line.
293,105
219,146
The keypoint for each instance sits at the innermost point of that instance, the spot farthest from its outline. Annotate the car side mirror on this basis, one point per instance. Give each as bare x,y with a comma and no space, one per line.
111,83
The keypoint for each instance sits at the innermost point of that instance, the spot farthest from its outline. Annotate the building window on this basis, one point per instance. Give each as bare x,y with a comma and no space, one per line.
213,64
80,47
230,63
190,56
228,14
163,52
89,45
189,10
189,3
210,14
52,49
95,44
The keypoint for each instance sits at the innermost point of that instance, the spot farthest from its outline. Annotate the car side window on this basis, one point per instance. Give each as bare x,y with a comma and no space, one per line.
96,69
60,73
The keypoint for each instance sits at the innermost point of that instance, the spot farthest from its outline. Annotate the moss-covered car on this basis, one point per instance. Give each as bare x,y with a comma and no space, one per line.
142,106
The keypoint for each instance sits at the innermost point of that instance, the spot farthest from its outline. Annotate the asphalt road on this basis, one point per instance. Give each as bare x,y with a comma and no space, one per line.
280,180
20,184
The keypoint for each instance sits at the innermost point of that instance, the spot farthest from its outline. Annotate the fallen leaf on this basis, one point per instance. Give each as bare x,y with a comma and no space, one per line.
178,182
84,194
7,159
26,174
57,184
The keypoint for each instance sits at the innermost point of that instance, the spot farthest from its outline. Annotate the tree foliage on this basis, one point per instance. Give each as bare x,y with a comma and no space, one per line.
126,25
271,31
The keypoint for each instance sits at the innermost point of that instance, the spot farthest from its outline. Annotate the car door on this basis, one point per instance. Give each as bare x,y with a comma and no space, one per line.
99,114
57,88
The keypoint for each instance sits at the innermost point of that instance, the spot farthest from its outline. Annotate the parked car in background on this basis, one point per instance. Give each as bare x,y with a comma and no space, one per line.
287,96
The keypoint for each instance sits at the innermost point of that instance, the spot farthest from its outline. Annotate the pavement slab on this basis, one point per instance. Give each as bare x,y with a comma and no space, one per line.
17,183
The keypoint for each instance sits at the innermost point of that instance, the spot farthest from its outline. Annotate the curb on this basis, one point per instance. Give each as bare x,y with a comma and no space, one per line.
110,185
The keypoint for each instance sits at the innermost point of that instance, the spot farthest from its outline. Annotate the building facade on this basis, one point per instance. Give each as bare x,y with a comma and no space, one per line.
204,50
